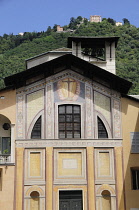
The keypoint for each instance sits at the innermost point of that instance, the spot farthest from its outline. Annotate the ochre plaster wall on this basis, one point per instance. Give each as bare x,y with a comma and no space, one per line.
7,108
7,192
130,123
8,104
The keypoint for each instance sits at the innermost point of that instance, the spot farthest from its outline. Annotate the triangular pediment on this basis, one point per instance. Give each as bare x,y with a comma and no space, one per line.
73,63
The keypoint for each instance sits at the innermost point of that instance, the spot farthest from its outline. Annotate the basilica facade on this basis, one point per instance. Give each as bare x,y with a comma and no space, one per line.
69,132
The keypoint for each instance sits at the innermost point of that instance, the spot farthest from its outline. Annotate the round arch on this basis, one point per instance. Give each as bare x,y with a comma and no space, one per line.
106,124
34,188
106,187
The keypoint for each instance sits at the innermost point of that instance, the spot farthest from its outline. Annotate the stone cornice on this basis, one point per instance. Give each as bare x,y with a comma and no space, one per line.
37,143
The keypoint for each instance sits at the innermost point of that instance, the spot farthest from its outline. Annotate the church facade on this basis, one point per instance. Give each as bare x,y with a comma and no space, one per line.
69,132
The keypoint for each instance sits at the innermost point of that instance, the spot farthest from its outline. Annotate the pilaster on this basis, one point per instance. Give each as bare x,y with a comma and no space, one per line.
119,178
49,177
91,183
19,178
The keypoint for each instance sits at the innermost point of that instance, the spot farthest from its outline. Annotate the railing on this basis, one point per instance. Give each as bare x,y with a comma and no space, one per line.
5,158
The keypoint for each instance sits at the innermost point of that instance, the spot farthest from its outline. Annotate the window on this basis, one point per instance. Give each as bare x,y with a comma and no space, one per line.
36,131
0,179
134,136
135,178
5,145
102,132
69,121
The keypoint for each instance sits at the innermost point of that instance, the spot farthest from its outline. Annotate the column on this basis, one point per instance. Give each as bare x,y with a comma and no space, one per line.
19,178
91,182
49,177
12,143
119,178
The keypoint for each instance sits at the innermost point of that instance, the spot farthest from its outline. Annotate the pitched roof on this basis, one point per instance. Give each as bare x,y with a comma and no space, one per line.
74,63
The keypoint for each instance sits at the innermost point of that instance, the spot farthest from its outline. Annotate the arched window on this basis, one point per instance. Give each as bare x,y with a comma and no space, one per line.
106,200
102,132
34,201
69,119
36,131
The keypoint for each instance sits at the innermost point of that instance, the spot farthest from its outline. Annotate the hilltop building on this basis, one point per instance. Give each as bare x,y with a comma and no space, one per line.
59,28
69,132
118,24
95,18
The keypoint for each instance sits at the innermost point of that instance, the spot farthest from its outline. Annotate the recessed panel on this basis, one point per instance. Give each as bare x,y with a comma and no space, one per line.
35,164
69,164
104,167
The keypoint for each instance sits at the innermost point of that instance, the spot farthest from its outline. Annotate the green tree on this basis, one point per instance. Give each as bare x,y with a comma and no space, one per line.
48,32
126,21
110,20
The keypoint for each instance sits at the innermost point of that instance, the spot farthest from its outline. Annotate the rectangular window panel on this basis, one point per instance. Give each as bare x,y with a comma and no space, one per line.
62,134
62,118
77,134
69,109
76,118
134,136
61,109
135,179
61,126
69,121
6,145
0,179
76,109
77,126
69,126
68,118
69,134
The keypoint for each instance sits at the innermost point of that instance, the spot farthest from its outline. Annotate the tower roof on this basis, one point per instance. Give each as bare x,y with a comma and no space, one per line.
89,41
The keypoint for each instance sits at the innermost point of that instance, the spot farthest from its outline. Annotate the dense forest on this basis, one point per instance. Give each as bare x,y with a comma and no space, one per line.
14,49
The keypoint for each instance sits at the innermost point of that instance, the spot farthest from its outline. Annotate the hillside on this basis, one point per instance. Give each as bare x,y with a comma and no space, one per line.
14,49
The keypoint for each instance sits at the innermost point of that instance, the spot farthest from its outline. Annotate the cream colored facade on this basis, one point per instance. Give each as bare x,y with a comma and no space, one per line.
54,167
130,122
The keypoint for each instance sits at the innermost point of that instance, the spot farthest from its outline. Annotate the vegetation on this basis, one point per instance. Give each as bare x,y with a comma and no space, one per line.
16,48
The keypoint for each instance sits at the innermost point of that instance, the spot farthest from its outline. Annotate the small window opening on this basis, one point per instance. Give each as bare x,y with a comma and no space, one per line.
135,179
36,131
0,179
102,132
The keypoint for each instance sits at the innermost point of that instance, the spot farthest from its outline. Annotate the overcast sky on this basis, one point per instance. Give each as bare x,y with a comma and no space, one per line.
31,15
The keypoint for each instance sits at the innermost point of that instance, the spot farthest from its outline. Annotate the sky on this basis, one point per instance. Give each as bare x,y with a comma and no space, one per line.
36,15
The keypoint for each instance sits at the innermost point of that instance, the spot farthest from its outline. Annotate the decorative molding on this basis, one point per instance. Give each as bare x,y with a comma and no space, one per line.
116,119
74,173
69,73
101,88
89,130
37,143
49,112
20,131
31,88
